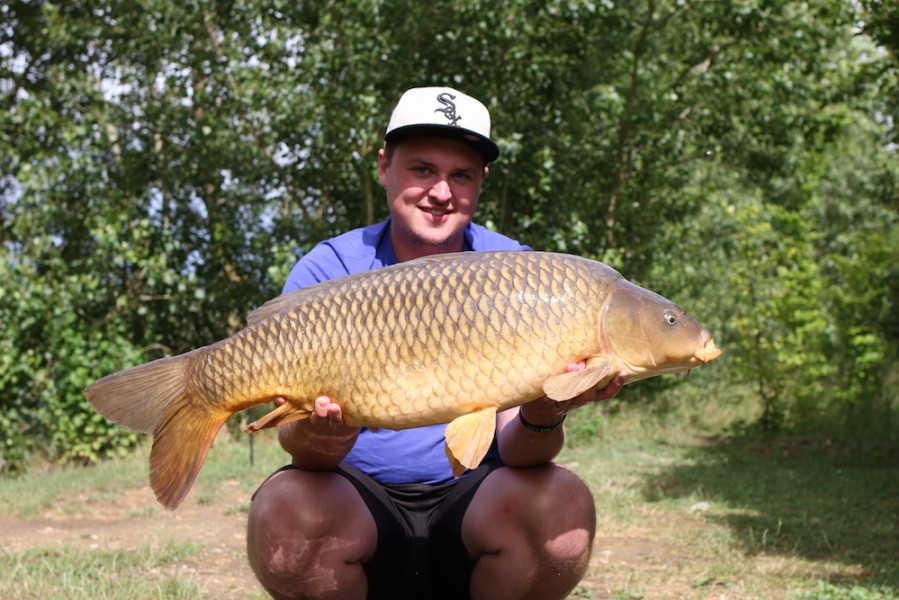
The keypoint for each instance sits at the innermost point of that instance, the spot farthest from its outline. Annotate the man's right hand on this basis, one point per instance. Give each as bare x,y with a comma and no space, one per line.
320,442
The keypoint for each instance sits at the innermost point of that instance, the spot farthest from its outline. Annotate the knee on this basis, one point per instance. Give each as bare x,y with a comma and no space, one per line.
557,497
292,504
570,512
307,535
549,505
574,496
564,528
535,523
277,541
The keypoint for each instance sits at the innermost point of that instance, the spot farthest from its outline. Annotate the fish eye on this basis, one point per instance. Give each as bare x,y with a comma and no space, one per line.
670,317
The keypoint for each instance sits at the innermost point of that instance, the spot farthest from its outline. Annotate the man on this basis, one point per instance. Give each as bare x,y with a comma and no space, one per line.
378,514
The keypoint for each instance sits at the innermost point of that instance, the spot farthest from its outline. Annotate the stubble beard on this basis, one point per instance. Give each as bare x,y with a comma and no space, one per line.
444,242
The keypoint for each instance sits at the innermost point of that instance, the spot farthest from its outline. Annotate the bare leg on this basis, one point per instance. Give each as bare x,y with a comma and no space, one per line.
530,532
308,533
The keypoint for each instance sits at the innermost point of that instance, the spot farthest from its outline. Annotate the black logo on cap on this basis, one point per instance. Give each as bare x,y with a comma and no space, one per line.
449,107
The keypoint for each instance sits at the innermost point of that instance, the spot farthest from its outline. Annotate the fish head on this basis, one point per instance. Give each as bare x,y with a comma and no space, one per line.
650,335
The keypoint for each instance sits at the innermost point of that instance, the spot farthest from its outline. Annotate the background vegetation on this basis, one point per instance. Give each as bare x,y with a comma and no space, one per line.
163,165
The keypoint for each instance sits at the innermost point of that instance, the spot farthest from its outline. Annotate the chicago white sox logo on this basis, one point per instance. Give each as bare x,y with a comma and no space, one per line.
449,107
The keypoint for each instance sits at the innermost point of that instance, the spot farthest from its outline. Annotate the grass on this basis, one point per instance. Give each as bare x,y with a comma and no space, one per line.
683,512
791,517
149,564
74,491
70,574
71,489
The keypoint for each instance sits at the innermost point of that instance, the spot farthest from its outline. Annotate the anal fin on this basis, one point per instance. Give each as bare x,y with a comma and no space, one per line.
469,437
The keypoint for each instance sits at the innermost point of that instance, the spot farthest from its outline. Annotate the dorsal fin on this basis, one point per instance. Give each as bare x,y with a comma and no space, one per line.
278,304
286,301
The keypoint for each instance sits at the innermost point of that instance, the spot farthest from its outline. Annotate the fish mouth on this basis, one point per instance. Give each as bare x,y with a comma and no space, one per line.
636,373
708,352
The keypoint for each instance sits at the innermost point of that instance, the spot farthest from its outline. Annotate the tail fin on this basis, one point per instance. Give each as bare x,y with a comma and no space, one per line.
154,398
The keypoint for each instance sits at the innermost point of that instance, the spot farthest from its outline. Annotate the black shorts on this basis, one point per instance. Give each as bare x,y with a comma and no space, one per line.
420,553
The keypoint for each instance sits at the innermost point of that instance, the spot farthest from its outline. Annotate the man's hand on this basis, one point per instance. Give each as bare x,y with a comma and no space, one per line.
593,395
323,440
326,412
521,447
545,412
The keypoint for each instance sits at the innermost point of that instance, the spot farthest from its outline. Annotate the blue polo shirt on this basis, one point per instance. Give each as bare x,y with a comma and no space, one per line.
411,455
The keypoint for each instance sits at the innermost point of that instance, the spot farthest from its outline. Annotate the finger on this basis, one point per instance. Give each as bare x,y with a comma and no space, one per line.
593,395
335,415
579,401
610,390
320,408
575,367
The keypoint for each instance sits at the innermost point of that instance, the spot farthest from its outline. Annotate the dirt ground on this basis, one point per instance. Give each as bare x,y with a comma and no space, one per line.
138,521
221,569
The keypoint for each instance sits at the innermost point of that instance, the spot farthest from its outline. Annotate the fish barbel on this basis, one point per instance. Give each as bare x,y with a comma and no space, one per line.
445,339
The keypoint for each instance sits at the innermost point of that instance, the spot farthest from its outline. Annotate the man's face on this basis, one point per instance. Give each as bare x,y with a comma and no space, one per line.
432,186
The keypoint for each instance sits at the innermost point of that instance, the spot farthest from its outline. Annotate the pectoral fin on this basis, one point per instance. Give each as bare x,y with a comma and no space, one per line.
286,413
568,385
469,437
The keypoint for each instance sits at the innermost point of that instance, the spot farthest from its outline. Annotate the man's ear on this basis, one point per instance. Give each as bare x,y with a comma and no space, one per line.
382,166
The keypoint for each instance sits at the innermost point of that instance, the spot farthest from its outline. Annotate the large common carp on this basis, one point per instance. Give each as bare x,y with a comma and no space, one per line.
445,339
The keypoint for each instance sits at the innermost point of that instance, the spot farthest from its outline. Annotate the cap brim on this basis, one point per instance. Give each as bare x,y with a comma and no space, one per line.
484,146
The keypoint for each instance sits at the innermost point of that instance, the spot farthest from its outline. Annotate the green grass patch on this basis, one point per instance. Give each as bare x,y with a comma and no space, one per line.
72,574
74,490
785,497
751,516
828,591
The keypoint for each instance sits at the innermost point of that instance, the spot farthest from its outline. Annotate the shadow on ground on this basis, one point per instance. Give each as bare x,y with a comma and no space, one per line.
796,498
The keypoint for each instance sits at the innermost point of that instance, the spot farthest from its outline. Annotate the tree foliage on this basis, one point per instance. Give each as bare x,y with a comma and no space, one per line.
162,165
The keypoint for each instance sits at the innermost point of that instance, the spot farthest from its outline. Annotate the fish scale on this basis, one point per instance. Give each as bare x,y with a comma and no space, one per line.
449,339
398,345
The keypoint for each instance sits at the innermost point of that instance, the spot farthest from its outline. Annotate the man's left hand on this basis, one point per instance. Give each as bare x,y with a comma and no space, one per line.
545,411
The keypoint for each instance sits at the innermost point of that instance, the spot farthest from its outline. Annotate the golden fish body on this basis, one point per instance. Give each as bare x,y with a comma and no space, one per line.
449,339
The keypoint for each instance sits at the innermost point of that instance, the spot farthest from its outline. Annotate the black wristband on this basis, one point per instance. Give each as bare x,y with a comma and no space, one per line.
540,428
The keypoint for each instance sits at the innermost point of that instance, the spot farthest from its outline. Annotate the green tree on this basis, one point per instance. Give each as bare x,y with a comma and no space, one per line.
805,267
164,164
880,20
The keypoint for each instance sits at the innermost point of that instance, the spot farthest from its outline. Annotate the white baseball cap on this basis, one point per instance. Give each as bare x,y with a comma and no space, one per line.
444,112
